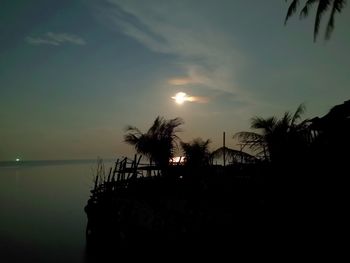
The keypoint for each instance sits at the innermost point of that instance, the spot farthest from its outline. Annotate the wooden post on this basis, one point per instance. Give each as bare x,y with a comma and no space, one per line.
115,170
109,175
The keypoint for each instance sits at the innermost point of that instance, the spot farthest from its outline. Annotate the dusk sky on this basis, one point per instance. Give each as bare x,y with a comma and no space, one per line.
74,74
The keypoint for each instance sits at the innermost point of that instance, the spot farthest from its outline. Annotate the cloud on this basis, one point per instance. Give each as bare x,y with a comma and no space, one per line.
193,77
203,49
180,81
55,39
41,41
68,38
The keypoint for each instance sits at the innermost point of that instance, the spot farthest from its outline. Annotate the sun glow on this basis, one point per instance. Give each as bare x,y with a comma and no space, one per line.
180,97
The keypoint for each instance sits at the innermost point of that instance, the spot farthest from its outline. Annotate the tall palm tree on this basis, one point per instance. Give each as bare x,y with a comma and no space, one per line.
322,7
279,139
158,143
196,152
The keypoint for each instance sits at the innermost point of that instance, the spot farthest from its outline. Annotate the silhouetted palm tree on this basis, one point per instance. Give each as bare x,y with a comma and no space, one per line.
322,7
158,143
280,139
196,152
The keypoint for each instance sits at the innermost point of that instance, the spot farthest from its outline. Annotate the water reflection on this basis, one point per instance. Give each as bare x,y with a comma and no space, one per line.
42,215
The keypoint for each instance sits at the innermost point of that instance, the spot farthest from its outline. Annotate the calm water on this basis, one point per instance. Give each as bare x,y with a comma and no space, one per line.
42,215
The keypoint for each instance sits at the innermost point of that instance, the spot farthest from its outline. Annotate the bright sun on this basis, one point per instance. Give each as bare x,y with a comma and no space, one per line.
180,97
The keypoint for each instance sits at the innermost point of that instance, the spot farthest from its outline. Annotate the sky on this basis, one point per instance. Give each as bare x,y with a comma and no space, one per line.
75,73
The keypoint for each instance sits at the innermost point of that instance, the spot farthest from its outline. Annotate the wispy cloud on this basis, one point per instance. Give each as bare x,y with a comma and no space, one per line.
204,51
55,39
179,81
41,41
193,77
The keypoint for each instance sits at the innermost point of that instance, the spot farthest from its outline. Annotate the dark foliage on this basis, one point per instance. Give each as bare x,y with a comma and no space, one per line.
335,6
196,152
159,142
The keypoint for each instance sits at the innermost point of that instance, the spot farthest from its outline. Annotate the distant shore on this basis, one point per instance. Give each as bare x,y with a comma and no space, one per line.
26,163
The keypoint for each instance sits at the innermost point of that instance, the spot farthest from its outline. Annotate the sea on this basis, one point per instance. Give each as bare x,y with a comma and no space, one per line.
42,216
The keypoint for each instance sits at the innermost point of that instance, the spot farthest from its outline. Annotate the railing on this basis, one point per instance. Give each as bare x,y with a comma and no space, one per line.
124,171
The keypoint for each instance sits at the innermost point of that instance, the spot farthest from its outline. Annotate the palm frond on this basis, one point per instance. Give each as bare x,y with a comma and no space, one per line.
291,10
321,9
305,11
159,142
155,126
196,152
266,125
131,138
284,121
338,5
297,114
132,129
253,140
248,136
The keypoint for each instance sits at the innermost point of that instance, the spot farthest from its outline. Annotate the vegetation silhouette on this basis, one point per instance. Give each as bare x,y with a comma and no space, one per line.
322,7
282,191
281,140
196,152
158,143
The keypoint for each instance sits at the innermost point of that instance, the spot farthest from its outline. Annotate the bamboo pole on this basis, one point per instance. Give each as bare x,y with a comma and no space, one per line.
109,175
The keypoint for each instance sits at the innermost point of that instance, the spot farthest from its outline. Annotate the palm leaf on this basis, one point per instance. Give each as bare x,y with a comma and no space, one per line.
321,9
337,7
253,140
305,11
267,125
291,10
297,115
158,142
132,129
196,152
